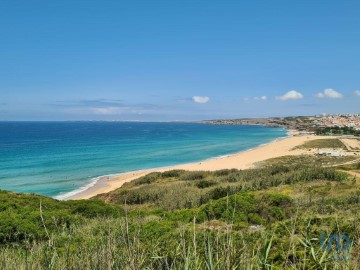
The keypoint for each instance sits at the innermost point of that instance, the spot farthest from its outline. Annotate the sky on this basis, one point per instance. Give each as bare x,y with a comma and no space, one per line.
178,60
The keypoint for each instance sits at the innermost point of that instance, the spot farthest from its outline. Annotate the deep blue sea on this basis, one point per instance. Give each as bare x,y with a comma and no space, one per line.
54,158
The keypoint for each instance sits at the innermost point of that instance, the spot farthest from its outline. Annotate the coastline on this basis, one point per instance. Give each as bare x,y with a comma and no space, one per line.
241,160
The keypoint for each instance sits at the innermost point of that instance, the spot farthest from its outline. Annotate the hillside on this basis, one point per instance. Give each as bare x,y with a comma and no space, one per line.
272,217
295,123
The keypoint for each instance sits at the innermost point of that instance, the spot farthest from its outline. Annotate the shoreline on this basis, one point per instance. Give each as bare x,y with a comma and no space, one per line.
240,160
94,183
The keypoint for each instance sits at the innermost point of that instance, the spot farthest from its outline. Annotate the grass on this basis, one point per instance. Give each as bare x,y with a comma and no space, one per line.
192,189
307,160
272,217
322,143
350,167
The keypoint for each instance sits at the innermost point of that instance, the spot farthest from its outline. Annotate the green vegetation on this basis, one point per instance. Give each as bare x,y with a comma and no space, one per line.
337,131
25,216
351,167
307,160
322,143
272,217
192,189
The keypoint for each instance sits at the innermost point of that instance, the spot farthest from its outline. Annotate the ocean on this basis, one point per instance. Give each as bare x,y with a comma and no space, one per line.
55,158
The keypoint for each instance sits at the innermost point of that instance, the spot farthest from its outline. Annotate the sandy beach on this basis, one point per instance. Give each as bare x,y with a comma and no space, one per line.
242,160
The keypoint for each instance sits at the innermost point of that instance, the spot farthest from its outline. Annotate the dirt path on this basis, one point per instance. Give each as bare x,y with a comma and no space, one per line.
352,145
345,163
356,174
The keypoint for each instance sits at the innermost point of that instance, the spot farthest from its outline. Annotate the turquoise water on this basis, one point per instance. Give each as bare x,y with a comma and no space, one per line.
54,158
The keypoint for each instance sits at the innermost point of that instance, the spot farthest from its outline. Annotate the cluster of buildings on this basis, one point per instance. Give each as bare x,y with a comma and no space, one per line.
338,120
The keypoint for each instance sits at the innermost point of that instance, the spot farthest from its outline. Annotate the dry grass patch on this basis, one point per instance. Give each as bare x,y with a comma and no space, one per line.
323,143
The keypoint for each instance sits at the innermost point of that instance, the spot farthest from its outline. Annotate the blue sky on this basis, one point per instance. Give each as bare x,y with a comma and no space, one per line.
177,60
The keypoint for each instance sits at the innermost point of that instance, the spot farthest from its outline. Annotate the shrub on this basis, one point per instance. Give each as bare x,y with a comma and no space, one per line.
197,175
94,208
277,199
21,218
217,193
172,173
231,178
147,179
205,183
254,218
233,208
138,196
224,172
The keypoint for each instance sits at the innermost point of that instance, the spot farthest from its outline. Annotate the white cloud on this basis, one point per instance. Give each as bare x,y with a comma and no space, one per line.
329,93
260,98
199,99
357,93
291,95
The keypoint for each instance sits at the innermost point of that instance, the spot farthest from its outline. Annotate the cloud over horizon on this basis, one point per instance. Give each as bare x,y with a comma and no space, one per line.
103,107
329,93
357,93
200,99
261,98
291,95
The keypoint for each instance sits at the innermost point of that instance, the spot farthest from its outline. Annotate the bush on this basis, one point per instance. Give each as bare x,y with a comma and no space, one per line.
197,175
254,218
147,179
224,172
94,208
21,218
277,199
172,173
231,178
217,193
192,189
140,195
205,184
233,208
